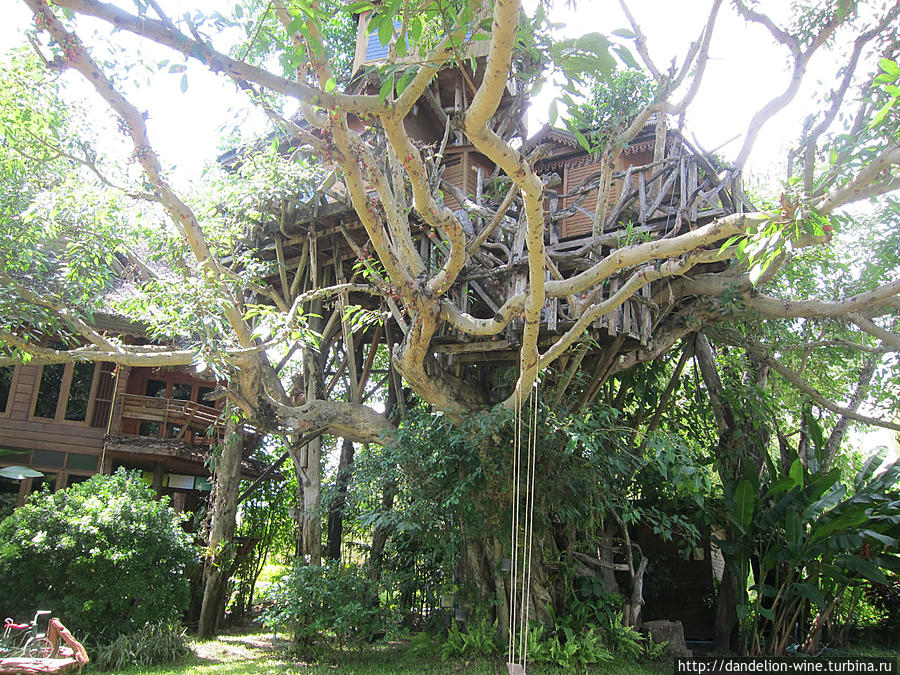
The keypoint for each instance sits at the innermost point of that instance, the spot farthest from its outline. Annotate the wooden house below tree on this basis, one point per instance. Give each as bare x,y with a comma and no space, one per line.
71,420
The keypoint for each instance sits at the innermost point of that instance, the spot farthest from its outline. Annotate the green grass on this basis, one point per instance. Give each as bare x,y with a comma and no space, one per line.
252,654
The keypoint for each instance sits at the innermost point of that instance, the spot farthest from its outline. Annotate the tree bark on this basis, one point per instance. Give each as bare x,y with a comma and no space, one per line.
226,483
726,613
833,444
336,512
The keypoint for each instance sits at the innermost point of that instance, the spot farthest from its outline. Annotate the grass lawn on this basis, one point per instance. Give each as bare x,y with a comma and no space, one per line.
254,653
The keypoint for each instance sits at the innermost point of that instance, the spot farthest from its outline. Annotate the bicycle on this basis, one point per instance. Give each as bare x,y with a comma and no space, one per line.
26,639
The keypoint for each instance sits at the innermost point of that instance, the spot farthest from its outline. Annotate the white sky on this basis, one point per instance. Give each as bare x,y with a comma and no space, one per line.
746,69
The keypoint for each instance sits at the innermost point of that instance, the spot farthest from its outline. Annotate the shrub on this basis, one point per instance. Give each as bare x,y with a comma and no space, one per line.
334,600
156,643
105,556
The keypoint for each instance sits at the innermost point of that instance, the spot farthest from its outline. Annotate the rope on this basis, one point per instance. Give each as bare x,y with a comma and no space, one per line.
514,524
529,515
519,610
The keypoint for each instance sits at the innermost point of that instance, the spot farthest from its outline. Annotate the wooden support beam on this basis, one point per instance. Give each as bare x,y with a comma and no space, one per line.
370,358
349,343
470,347
601,371
282,268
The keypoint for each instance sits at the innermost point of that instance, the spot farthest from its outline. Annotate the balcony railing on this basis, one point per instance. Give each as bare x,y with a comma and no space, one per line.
170,413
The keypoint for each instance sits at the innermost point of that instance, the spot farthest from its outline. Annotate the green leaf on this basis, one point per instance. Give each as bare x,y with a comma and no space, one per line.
385,31
386,88
882,113
330,84
623,33
868,468
811,593
864,568
296,24
889,66
793,530
815,430
744,504
796,473
184,83
357,7
582,140
848,519
626,56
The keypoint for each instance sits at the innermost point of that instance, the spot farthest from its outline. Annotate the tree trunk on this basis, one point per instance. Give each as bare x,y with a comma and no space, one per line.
310,518
307,466
726,612
226,485
380,536
833,444
336,512
480,570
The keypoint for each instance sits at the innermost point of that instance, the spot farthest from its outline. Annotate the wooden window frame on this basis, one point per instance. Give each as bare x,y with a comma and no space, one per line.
13,386
62,400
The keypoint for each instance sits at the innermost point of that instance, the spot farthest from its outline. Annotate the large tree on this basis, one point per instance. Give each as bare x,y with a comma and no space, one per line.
264,329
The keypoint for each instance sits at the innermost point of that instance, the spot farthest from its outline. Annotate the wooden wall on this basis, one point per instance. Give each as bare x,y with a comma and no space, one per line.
58,447
577,171
66,450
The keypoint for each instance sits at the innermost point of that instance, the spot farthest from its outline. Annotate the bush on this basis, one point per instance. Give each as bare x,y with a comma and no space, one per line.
334,600
105,556
154,644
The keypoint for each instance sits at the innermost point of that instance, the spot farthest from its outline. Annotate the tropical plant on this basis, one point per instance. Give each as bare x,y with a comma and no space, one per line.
480,638
808,538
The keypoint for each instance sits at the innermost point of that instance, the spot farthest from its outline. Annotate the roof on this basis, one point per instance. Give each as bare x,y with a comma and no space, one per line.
565,137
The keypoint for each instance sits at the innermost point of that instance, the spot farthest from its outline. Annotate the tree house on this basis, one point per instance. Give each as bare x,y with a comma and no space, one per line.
316,242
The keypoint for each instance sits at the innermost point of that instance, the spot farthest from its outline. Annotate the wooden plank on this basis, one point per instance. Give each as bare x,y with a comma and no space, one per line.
470,347
612,327
626,317
642,195
484,296
692,185
76,432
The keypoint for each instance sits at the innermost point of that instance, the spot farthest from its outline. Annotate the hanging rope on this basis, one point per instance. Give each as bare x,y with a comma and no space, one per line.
514,525
518,632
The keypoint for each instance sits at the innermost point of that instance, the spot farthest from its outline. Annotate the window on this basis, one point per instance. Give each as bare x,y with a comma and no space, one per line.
181,391
64,391
83,462
48,458
202,393
103,398
6,377
156,388
80,392
74,479
49,389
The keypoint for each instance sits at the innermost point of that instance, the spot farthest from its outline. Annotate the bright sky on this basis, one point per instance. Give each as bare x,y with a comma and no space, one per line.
745,68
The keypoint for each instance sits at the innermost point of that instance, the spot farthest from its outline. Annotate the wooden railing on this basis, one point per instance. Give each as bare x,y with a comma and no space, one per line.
170,412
